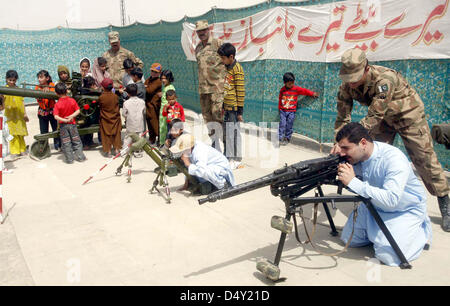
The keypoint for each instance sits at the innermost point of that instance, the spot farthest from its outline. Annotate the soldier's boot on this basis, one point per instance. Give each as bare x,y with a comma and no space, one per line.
444,206
281,224
269,270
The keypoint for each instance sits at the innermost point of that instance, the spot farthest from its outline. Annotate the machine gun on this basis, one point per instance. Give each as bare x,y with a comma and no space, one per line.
168,166
289,183
285,180
85,97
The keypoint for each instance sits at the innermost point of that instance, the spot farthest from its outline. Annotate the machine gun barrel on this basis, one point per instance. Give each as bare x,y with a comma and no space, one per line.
282,177
28,93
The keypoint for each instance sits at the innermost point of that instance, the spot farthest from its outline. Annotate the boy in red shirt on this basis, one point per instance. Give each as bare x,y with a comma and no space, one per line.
173,109
65,111
287,104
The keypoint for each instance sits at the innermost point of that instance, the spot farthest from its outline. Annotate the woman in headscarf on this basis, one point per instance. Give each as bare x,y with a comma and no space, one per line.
64,77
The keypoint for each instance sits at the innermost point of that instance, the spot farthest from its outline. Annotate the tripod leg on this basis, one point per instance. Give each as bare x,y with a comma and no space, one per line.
155,183
125,161
166,185
166,181
404,263
129,169
333,232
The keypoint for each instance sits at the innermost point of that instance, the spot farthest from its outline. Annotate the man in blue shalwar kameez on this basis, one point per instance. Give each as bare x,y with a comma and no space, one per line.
382,173
204,162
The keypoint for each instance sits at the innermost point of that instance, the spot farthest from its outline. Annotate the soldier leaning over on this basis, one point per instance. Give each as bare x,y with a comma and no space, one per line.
211,77
393,107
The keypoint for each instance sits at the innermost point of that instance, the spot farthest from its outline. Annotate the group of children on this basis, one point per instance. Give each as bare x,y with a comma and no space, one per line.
233,106
62,114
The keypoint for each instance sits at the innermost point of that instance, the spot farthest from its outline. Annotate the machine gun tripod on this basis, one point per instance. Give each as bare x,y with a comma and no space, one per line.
168,166
290,183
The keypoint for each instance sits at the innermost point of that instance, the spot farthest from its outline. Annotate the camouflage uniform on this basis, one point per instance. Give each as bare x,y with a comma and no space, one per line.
115,64
393,107
211,77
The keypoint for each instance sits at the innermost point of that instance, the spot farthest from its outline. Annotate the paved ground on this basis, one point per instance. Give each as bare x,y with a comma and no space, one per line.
109,232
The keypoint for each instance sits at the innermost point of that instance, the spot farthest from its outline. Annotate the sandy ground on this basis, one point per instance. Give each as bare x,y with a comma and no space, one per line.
110,232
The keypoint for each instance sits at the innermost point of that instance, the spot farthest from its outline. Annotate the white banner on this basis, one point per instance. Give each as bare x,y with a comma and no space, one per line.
385,30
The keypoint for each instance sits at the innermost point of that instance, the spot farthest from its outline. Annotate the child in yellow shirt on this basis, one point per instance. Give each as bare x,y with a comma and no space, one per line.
16,117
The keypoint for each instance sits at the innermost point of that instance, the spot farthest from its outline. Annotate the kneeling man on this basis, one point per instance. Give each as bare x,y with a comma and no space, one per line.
204,162
382,173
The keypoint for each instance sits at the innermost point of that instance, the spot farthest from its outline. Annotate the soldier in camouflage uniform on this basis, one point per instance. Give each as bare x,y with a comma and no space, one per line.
211,77
393,107
115,57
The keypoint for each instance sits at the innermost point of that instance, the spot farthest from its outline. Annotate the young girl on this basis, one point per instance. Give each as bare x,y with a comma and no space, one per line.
64,77
85,67
85,70
166,79
5,135
110,120
16,117
99,71
45,110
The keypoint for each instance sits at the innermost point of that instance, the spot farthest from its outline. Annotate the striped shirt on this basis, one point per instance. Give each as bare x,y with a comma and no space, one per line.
234,88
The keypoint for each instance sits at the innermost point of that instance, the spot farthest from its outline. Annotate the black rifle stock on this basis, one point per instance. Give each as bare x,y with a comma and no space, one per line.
313,171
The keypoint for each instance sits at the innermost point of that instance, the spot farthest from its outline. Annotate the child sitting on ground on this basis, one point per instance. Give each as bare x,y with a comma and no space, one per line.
134,113
287,105
5,135
16,117
66,110
110,121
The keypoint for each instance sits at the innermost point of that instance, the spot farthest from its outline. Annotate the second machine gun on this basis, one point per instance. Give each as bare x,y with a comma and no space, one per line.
85,97
168,166
289,183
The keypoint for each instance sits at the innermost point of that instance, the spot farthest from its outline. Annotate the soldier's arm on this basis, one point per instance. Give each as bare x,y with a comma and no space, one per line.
344,109
384,91
137,61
